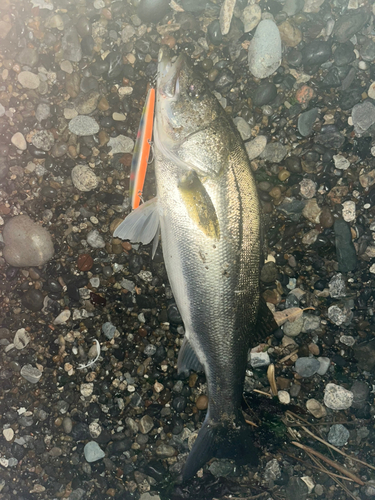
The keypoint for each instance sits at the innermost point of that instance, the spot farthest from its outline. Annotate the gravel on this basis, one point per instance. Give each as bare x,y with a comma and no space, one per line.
91,404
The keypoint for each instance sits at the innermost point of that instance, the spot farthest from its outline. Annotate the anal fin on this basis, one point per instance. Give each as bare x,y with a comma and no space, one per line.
187,359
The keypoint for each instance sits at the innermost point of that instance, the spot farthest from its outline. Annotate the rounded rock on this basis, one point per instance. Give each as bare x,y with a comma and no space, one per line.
337,397
93,452
28,80
265,50
84,179
307,367
31,374
316,408
338,435
83,125
18,140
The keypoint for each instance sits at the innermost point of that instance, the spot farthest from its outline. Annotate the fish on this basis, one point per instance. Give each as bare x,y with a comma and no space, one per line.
208,213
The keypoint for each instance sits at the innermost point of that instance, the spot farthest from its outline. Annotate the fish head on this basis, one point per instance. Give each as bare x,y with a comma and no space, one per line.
185,129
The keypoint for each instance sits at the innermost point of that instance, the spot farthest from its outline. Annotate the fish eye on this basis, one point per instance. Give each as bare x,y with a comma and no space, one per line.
196,88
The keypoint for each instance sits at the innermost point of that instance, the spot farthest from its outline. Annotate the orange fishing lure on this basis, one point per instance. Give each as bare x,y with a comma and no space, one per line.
142,150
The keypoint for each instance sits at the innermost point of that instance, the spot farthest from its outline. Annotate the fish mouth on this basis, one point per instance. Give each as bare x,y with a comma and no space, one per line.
168,80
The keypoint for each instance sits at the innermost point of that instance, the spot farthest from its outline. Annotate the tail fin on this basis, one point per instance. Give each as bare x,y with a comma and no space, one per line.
221,440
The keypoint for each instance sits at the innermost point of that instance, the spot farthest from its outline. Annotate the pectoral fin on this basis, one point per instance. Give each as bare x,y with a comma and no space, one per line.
199,205
141,225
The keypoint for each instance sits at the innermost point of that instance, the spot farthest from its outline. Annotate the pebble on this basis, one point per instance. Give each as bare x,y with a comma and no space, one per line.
307,367
274,152
264,94
121,144
259,359
43,139
85,262
312,5
345,250
349,24
337,286
93,452
265,50
19,141
306,121
338,435
272,470
370,91
316,408
28,80
67,425
202,402
337,397
86,389
337,315
71,45
21,339
222,468
43,111
226,14
95,240
243,128
310,323
95,429
284,397
109,330
86,103
251,16
292,329
307,188
363,116
31,374
146,423
341,162
290,34
361,392
39,249
33,300
8,434
62,317
312,211
84,178
165,451
316,53
83,125
349,211
256,147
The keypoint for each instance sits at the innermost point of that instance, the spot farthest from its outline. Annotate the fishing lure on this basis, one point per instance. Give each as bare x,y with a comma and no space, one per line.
142,150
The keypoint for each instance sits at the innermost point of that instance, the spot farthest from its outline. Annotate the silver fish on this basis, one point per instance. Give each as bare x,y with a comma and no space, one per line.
208,213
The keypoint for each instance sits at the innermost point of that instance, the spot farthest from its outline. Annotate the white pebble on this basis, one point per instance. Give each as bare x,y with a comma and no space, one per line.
95,429
284,397
21,339
86,389
62,317
265,49
371,91
84,178
307,188
19,141
8,434
348,211
337,397
28,80
341,162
